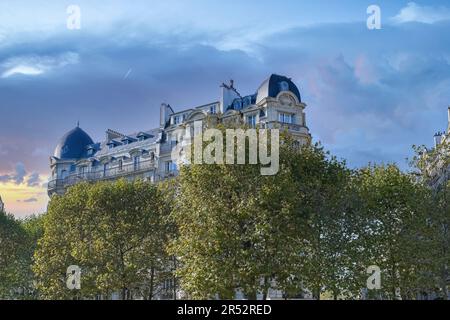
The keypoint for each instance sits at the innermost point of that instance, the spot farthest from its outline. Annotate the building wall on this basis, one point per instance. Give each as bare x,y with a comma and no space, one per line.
150,159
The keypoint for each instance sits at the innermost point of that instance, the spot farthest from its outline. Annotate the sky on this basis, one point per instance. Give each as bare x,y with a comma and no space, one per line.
371,94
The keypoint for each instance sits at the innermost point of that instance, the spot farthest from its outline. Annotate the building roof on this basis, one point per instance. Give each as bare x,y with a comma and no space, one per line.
275,84
73,145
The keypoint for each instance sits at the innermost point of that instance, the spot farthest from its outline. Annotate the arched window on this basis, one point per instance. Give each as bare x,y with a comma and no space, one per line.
284,86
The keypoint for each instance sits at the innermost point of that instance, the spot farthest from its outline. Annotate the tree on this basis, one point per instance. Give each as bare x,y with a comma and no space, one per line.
12,238
114,231
17,242
241,230
394,208
439,242
324,251
431,168
232,228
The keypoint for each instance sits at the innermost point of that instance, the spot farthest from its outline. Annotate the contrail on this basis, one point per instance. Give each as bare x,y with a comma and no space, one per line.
127,74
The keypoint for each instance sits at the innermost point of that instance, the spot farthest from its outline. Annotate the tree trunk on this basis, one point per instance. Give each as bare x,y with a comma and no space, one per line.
316,294
174,278
152,283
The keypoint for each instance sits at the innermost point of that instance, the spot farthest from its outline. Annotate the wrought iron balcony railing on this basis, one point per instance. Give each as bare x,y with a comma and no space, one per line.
99,173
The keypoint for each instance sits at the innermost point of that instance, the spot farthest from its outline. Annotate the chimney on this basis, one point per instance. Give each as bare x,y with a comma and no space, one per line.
448,116
437,139
229,93
165,113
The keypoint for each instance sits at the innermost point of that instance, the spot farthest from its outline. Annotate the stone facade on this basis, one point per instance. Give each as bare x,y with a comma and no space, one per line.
438,169
147,154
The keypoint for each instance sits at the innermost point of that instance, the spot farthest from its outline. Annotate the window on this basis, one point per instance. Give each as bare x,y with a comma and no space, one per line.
173,142
120,165
247,101
112,144
251,120
237,104
170,167
197,130
286,117
142,138
176,120
136,162
90,152
213,109
105,169
284,86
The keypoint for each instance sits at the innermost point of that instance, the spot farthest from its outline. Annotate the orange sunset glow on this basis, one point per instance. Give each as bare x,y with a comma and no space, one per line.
23,200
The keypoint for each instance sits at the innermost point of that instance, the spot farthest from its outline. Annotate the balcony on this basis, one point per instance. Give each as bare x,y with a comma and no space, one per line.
99,174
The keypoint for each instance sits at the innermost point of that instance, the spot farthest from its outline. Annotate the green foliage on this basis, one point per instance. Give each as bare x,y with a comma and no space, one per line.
394,217
114,232
17,244
315,227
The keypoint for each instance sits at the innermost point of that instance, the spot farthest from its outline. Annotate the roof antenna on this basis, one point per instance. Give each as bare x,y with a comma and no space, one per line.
78,123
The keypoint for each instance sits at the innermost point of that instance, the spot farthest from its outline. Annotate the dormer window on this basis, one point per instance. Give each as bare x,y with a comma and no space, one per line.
284,86
213,109
143,136
128,140
237,104
247,101
113,143
176,120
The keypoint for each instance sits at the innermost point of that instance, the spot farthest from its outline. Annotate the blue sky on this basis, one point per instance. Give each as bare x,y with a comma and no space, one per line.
371,94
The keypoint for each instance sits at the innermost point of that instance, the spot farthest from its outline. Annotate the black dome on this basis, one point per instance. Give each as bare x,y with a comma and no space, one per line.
274,85
73,145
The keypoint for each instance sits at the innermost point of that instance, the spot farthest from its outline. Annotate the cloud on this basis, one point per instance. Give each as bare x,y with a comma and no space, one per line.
423,14
33,179
17,176
33,65
29,200
20,176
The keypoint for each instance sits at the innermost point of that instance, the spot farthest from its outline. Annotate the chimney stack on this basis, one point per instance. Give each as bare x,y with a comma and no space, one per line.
448,113
437,139
165,113
229,93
